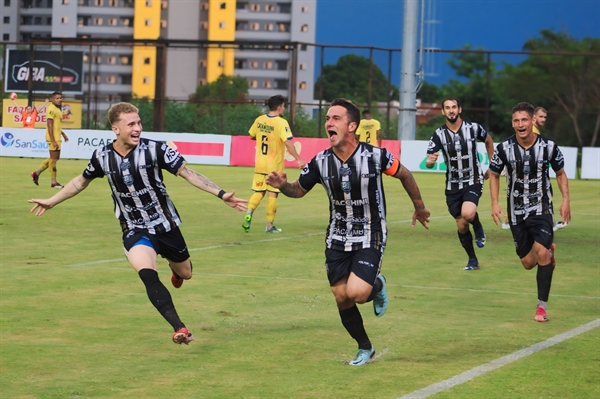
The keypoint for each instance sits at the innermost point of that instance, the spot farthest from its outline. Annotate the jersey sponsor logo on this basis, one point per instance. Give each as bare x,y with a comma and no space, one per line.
128,180
345,171
125,165
135,193
348,233
359,202
265,128
346,187
351,219
364,262
368,175
171,155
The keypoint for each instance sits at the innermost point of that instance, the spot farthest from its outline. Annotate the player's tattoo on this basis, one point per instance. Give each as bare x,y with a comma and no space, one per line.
207,182
292,190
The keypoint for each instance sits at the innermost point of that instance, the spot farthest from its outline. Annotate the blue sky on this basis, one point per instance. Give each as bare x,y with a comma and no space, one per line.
490,24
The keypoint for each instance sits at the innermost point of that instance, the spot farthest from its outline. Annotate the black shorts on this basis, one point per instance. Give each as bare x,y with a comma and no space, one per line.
169,245
534,228
365,263
455,199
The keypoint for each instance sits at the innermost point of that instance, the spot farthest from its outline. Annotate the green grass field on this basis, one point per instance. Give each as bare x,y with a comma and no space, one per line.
76,323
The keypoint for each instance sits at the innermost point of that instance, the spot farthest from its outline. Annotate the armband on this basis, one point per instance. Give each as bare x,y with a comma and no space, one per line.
221,194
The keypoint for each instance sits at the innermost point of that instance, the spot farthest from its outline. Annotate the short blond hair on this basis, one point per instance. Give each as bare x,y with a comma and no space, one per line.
115,111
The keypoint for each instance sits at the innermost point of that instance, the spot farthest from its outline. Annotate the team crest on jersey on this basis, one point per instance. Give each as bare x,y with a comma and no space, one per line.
171,155
345,171
128,180
346,187
125,165
90,168
431,145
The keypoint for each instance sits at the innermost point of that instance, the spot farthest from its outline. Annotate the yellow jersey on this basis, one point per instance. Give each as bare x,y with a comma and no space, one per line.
271,133
54,113
367,131
535,129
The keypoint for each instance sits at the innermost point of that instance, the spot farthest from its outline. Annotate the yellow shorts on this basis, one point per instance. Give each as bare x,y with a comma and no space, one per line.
259,184
51,147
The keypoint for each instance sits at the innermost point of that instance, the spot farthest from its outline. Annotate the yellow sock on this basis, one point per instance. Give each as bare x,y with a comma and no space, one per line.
271,209
53,169
254,200
45,165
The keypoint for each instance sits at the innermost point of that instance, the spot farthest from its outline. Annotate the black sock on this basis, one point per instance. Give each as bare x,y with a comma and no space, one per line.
544,280
353,322
376,288
475,222
160,297
466,241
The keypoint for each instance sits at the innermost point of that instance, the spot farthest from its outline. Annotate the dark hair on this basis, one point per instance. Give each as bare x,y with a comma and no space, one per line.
451,99
56,93
536,109
366,111
274,102
351,109
523,107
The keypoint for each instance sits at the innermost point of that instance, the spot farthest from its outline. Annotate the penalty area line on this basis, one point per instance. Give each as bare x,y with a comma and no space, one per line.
497,363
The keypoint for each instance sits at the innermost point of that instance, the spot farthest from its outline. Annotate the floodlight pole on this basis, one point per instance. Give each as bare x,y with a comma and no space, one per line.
408,73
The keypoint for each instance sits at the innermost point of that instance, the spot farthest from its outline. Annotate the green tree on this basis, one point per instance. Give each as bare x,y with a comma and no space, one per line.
349,78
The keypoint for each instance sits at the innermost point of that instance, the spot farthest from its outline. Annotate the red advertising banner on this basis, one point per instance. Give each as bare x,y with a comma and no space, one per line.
243,150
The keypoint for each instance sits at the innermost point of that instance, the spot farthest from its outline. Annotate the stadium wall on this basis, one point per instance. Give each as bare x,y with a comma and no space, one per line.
217,149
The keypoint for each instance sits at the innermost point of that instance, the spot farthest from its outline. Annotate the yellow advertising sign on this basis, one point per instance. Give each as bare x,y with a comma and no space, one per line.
15,115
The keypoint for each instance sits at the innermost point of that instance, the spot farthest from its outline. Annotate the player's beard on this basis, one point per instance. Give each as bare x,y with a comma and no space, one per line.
452,120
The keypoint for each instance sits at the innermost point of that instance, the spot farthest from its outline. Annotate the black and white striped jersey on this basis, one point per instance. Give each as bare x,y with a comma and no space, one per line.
463,167
356,196
136,182
529,191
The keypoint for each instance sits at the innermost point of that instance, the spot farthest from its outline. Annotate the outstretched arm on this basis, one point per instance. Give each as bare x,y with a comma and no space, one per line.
563,186
292,150
410,185
74,187
279,180
489,148
205,184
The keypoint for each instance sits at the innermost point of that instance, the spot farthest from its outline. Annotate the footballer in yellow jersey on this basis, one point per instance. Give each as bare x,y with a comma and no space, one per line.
273,136
369,130
54,135
539,119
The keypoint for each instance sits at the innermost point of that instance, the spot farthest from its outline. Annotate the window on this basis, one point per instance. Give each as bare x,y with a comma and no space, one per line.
6,20
220,63
253,84
239,64
254,26
304,9
37,21
269,8
302,66
111,59
148,22
201,82
125,60
268,64
267,84
85,58
147,61
111,79
222,25
110,98
64,20
148,3
303,47
281,65
98,21
202,63
65,2
113,3
98,3
6,3
98,59
254,64
223,6
6,37
254,7
281,84
164,4
285,8
125,79
205,6
302,86
113,21
97,78
269,26
126,21
283,27
146,80
304,28
204,25
163,23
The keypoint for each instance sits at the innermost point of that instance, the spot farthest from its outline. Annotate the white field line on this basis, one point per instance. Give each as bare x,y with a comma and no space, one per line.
497,363
281,238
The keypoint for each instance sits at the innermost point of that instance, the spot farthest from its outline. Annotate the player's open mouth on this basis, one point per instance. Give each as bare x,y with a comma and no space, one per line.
331,133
